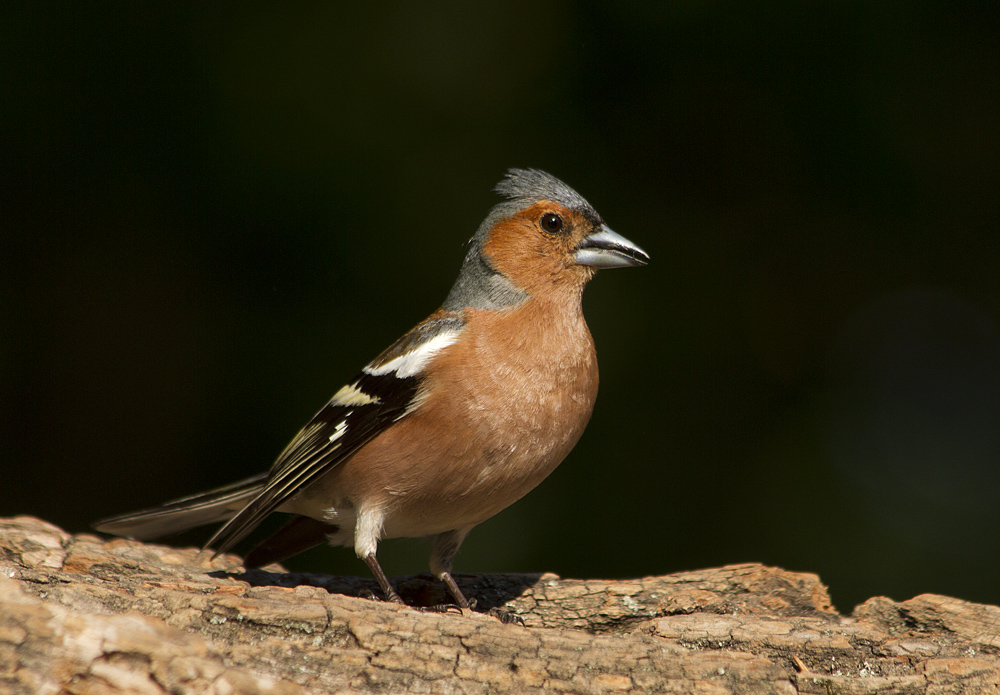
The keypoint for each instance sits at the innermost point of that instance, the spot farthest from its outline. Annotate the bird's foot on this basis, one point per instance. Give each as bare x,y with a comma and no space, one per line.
385,598
445,608
506,617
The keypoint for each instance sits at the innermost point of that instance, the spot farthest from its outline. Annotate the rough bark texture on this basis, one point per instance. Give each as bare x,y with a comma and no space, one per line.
81,615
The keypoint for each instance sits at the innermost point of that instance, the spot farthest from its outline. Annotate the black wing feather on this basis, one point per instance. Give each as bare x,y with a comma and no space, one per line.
312,453
352,418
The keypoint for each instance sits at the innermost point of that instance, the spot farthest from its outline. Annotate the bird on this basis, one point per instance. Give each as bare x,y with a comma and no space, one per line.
455,421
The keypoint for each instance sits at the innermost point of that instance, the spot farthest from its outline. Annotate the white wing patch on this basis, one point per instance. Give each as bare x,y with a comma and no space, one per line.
339,430
413,362
350,396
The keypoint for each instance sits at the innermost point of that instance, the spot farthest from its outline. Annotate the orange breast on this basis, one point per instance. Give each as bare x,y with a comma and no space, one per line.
504,406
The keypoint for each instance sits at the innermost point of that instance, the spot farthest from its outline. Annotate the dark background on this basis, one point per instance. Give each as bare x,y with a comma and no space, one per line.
212,218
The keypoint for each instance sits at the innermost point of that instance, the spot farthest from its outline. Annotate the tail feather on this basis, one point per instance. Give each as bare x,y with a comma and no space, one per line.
182,514
298,534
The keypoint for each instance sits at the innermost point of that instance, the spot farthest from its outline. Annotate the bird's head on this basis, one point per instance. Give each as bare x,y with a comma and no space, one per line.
545,237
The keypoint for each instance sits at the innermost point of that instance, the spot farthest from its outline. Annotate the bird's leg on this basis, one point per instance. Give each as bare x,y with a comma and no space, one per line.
455,592
445,547
383,581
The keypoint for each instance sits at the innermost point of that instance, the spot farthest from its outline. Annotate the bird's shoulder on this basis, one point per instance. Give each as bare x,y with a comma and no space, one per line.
410,354
384,391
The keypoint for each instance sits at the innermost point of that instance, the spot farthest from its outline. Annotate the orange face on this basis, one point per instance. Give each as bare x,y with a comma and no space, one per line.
536,247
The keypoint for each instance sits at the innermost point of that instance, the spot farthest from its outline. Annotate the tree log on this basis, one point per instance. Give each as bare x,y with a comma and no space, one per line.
82,615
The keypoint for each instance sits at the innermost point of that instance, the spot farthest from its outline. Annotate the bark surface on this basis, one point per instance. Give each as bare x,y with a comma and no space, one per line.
79,614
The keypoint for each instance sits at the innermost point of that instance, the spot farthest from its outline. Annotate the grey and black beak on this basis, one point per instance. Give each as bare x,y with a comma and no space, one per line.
605,249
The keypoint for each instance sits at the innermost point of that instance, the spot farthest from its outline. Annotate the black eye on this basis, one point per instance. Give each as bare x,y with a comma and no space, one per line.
551,222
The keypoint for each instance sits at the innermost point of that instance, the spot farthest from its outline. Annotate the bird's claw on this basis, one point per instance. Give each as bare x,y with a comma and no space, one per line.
506,617
444,608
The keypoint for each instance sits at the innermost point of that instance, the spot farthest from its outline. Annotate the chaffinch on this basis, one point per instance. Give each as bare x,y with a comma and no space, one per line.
456,420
